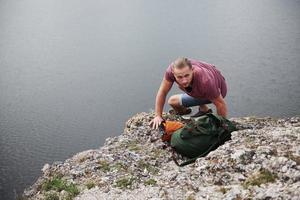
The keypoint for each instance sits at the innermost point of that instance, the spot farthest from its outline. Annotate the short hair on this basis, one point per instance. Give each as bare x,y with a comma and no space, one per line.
180,63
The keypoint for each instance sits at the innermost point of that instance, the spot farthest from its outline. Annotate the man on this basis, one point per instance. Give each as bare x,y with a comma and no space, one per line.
202,84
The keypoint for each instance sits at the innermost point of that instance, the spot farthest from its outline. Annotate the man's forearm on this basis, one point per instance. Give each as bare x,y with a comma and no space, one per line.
159,103
222,110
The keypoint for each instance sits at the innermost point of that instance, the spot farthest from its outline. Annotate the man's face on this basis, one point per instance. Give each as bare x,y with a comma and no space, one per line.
183,76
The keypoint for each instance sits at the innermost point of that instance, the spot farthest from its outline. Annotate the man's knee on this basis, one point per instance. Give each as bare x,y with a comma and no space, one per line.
174,100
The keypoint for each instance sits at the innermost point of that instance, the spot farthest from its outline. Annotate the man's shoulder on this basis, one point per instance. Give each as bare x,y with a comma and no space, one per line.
168,74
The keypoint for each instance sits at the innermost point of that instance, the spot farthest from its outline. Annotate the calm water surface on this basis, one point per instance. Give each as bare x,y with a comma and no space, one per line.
72,72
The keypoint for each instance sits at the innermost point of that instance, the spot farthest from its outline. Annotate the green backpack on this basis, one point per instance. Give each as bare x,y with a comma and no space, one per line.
200,136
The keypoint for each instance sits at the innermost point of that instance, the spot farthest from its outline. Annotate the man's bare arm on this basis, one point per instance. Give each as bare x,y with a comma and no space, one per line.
220,106
163,90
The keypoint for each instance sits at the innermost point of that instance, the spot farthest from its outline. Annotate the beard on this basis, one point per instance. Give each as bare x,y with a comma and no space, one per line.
188,88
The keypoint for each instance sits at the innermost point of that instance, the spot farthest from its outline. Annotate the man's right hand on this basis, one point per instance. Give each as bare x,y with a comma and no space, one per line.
156,122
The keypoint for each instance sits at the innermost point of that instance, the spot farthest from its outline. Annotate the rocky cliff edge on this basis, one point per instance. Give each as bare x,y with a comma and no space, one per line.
260,162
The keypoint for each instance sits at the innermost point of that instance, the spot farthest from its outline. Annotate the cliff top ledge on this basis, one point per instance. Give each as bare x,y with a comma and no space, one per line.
261,161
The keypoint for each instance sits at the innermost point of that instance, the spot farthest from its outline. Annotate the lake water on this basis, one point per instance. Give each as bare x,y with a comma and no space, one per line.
72,72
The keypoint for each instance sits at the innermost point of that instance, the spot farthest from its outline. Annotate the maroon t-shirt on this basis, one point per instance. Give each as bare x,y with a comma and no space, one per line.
208,82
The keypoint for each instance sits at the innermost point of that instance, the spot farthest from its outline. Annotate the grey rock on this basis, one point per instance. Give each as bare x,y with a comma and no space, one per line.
46,168
260,162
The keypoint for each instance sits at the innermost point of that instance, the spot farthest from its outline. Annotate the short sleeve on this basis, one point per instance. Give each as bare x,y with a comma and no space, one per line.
169,75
